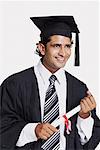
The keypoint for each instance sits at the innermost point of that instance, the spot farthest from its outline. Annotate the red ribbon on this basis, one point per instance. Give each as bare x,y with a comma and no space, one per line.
66,121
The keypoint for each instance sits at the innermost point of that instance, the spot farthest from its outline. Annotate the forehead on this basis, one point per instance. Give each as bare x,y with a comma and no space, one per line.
60,39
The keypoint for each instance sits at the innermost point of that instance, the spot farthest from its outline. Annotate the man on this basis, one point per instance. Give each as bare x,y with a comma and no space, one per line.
32,99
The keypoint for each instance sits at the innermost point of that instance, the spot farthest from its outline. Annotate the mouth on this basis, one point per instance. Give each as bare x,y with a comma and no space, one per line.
60,59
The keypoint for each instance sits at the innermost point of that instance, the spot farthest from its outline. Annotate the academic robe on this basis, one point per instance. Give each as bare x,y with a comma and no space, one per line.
20,105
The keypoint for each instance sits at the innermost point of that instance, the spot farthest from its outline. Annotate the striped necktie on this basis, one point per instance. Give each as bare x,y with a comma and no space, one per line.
51,113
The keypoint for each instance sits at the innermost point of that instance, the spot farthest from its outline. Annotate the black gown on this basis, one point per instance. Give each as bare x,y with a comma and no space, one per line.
20,105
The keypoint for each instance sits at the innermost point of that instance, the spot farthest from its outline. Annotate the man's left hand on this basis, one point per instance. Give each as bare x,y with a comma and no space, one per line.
87,105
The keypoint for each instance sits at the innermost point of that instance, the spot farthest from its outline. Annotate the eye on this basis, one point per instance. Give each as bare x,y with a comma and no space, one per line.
69,46
56,45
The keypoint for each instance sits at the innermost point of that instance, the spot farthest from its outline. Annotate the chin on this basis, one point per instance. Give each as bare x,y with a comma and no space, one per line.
59,66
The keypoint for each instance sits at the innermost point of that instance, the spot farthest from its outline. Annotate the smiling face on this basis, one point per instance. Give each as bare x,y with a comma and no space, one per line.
56,52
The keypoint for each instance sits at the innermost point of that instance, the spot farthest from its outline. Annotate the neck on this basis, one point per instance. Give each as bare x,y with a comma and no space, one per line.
52,70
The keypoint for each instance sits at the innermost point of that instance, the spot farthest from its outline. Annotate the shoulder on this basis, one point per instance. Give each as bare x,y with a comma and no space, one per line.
74,80
23,76
76,87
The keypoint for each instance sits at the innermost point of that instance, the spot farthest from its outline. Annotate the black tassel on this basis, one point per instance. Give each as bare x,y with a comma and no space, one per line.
77,59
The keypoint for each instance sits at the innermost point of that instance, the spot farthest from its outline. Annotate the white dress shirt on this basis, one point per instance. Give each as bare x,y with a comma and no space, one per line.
84,126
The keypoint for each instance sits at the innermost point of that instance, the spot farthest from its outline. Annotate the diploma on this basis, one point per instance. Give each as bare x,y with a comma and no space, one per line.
69,114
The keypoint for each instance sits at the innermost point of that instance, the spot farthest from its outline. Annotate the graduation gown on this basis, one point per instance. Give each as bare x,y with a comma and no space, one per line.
20,105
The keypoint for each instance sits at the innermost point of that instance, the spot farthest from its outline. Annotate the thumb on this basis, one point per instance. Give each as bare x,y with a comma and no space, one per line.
89,93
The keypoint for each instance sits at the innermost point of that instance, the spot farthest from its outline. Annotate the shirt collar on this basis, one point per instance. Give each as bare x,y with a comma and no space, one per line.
60,74
45,73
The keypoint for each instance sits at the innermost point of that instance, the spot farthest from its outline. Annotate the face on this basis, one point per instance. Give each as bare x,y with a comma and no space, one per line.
56,53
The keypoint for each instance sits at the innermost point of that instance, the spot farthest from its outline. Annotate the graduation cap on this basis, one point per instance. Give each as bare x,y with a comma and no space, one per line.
58,25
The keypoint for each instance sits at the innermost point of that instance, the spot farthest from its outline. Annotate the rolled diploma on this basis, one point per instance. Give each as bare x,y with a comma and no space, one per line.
72,112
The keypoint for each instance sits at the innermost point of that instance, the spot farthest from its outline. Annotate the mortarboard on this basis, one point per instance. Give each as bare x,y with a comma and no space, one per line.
58,25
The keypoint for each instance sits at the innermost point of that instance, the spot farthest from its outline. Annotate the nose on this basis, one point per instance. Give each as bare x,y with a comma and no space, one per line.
62,51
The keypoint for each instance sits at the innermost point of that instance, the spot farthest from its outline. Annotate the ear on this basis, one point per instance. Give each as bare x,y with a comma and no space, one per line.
41,48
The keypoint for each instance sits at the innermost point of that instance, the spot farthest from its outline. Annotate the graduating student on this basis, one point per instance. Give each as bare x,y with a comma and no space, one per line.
32,99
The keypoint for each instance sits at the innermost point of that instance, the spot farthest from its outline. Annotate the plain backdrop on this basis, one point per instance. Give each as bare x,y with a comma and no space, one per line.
18,38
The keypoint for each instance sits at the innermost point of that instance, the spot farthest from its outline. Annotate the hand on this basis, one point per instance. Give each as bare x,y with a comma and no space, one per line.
87,105
44,130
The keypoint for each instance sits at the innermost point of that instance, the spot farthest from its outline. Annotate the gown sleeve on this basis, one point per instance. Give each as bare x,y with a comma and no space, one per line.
95,138
11,120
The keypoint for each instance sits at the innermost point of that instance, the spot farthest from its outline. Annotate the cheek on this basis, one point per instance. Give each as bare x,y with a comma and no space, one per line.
52,53
48,56
68,53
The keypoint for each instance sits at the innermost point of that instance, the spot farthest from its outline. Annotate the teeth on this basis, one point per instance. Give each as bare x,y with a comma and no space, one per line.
60,59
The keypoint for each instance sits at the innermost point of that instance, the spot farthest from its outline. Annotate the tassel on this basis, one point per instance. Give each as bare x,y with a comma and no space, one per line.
77,60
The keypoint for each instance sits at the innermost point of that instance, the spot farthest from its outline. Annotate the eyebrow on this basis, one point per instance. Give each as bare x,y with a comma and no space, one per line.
61,44
54,42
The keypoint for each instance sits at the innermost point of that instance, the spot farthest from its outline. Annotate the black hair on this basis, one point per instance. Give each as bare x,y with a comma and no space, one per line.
44,41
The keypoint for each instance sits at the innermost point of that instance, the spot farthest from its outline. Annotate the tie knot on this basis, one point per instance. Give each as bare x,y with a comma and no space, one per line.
52,79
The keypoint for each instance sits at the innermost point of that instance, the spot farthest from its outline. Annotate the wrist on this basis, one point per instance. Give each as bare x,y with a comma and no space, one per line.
84,115
37,130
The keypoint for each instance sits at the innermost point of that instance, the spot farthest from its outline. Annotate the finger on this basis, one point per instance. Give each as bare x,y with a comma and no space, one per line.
47,128
85,107
91,97
52,128
43,137
46,134
92,101
85,101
